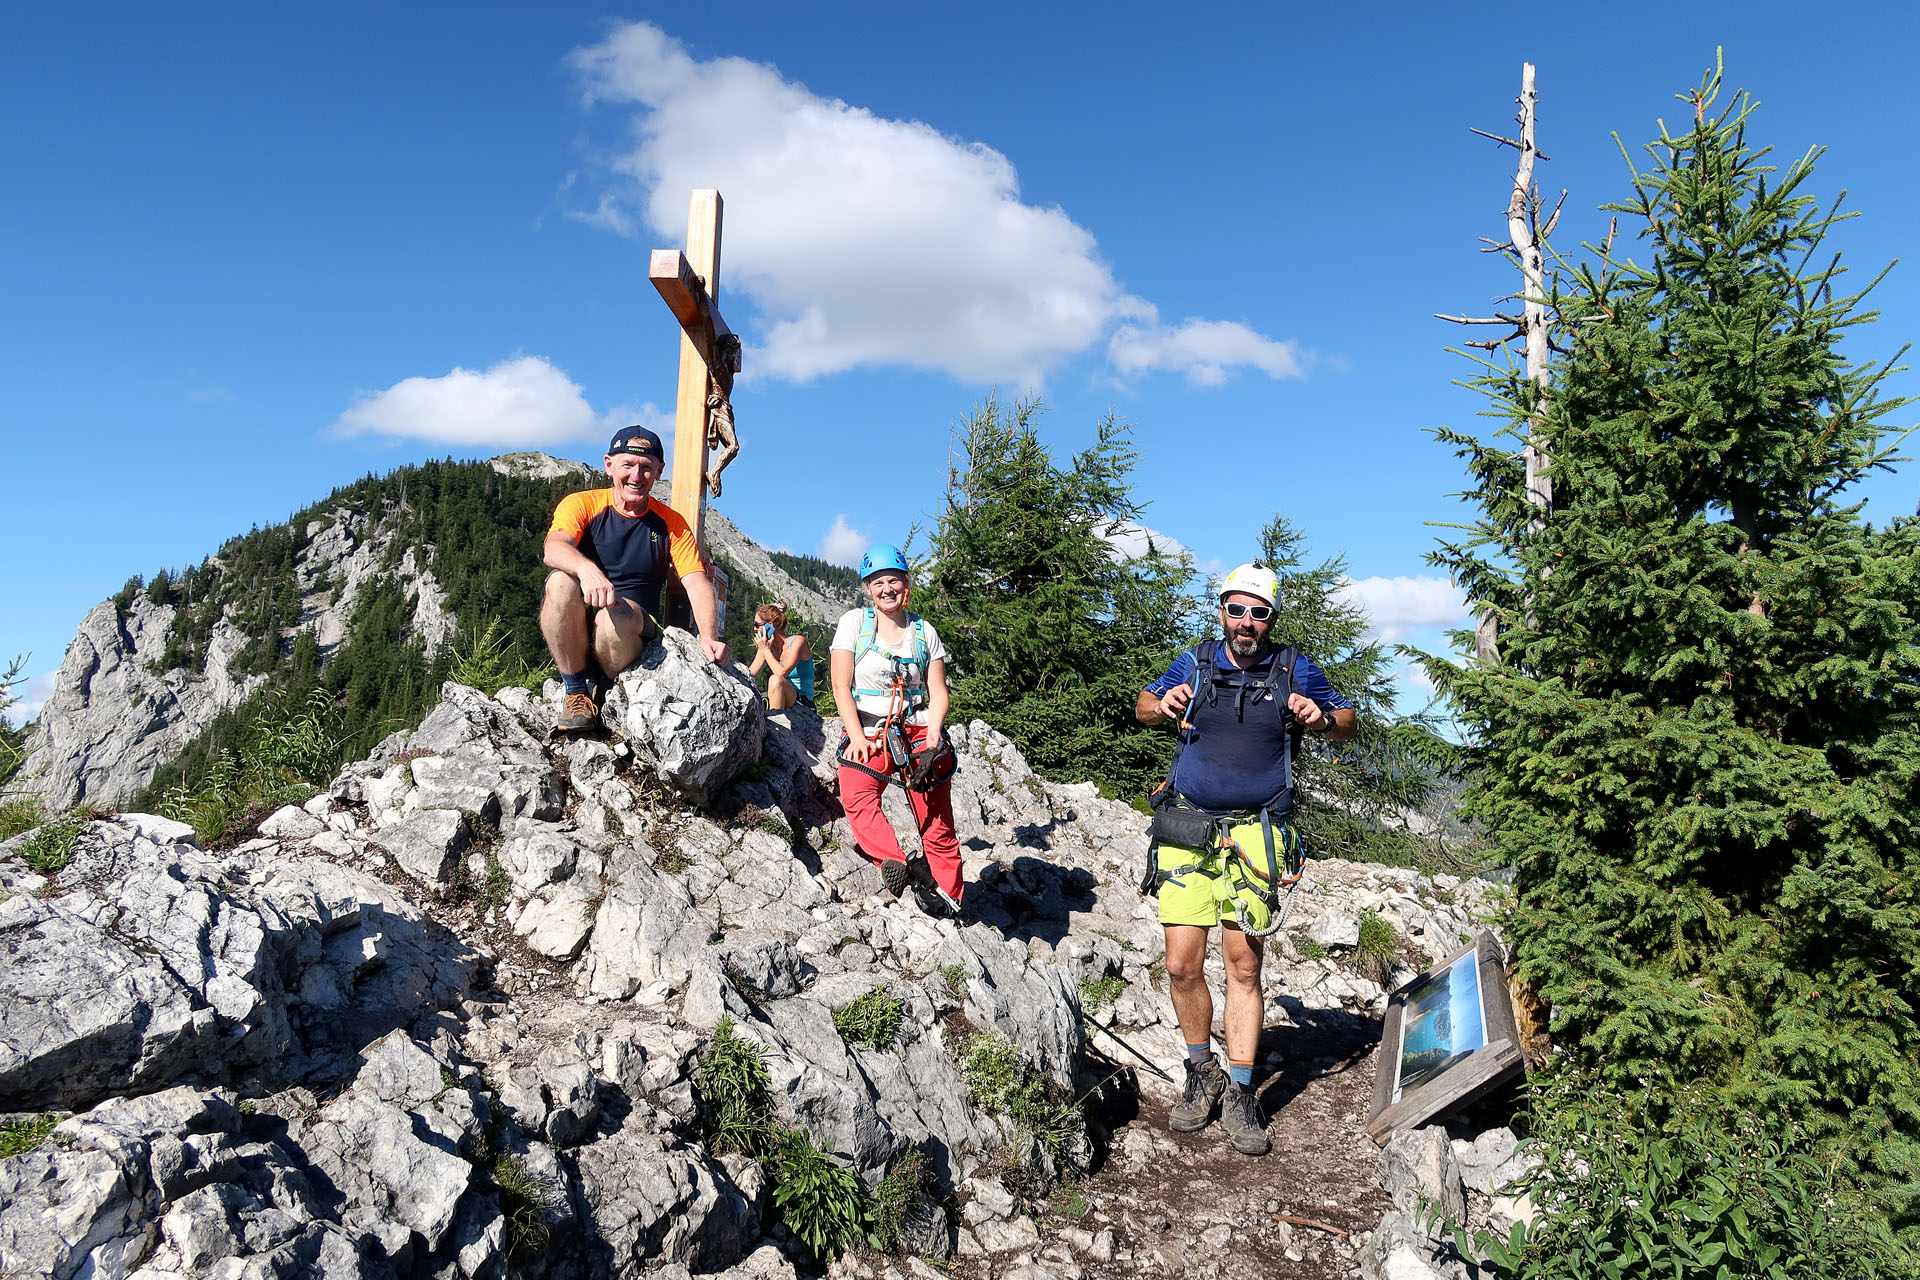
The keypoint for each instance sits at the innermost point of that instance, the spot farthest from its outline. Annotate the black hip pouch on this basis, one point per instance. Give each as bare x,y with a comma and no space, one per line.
1186,828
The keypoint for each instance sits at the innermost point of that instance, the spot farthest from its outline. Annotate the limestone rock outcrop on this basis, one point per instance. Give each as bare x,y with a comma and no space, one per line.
453,1009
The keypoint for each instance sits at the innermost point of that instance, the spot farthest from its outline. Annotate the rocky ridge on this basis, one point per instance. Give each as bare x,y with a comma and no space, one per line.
457,1002
112,719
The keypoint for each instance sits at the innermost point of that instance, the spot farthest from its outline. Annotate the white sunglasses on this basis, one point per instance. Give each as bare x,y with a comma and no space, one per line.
1258,612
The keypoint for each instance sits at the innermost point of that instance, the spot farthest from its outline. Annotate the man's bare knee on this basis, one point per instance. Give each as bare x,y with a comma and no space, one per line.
1187,968
563,589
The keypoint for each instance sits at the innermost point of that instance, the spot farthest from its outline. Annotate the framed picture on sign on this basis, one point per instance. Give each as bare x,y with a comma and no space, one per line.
1449,1036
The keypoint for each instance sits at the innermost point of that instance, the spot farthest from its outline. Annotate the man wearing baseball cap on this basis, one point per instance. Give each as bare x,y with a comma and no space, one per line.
1222,839
611,551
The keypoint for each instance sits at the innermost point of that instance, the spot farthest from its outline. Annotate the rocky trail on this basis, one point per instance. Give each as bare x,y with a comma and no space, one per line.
447,1019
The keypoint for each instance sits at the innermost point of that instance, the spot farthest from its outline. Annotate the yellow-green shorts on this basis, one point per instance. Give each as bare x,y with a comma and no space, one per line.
1209,896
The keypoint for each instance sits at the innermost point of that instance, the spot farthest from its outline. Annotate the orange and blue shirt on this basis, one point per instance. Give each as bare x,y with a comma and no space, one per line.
635,552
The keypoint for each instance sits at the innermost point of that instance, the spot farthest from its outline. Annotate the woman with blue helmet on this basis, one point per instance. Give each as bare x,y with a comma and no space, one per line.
887,664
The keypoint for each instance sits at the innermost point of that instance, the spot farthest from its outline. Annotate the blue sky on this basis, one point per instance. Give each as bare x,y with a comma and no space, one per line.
246,248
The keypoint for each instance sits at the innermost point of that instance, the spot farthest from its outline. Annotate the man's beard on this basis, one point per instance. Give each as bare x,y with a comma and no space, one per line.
1243,645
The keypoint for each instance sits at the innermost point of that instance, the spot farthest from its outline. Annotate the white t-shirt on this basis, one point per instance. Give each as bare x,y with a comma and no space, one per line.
874,669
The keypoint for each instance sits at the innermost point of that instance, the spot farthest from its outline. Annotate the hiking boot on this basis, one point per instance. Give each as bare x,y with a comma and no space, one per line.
1202,1095
578,712
1241,1118
895,876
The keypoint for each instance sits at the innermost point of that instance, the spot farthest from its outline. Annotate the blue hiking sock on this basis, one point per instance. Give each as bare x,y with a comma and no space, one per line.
1200,1054
1241,1073
576,683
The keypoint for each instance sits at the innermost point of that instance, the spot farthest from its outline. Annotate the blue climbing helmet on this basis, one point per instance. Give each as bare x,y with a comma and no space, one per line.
882,557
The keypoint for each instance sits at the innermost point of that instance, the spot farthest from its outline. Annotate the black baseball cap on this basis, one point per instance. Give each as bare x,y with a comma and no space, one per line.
638,441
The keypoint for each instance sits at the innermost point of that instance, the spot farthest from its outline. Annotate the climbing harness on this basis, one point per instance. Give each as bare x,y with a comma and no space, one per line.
1209,834
870,640
917,770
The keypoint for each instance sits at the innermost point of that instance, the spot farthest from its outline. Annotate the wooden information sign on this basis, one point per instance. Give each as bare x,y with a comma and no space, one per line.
1449,1036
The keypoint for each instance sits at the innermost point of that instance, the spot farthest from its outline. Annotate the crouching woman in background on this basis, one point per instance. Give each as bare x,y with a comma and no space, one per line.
890,686
787,658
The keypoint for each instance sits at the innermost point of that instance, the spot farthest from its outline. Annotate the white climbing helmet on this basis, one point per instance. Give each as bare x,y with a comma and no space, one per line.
1254,580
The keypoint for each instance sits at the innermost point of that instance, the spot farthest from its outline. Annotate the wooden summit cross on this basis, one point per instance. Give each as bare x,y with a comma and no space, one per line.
709,356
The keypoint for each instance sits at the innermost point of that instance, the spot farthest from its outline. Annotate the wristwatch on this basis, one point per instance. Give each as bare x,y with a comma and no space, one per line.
1325,725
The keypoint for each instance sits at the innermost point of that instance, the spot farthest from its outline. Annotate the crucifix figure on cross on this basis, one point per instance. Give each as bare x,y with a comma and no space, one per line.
709,357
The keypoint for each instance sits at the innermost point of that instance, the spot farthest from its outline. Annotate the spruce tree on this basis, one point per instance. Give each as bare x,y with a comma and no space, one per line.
1054,631
1698,747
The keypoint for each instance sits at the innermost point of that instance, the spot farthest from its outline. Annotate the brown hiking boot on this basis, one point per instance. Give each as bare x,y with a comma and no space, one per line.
578,712
1241,1118
1202,1095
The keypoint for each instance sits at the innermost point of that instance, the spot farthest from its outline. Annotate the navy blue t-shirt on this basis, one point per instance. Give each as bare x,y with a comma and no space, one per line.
1237,757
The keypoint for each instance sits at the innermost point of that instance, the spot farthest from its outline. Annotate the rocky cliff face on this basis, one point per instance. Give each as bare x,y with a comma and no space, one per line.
114,716
452,1010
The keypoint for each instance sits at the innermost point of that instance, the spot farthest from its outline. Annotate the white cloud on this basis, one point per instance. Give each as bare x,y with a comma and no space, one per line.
524,402
1205,350
1398,607
33,696
843,544
1130,542
863,241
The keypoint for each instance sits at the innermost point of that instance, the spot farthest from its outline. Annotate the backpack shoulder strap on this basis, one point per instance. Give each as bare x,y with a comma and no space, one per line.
869,626
921,654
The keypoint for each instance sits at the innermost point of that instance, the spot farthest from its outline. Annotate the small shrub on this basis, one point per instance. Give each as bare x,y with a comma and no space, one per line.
489,659
51,848
525,1198
734,1082
956,978
1310,950
17,1137
820,1200
907,1181
1000,1081
771,824
1374,954
292,793
495,888
1070,1203
672,860
1706,1189
873,1020
1097,994
1376,937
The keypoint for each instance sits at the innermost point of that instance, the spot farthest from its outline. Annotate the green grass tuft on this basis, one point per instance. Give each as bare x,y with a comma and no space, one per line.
908,1180
51,848
20,815
17,1137
1097,994
873,1020
735,1084
525,1198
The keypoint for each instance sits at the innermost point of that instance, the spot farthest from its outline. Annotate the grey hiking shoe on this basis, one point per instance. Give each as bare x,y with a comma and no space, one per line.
578,712
1240,1117
1201,1096
894,875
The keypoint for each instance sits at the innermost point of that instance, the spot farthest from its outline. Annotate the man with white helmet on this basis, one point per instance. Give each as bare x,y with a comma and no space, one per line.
1222,841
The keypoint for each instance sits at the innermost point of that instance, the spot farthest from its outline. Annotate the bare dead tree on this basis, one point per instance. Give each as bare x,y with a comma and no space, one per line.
1525,244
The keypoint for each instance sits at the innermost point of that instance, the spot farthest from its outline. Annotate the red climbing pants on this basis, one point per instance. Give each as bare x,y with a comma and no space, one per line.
860,796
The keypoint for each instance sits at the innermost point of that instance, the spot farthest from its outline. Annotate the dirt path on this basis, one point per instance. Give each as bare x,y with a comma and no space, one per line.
1173,1204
